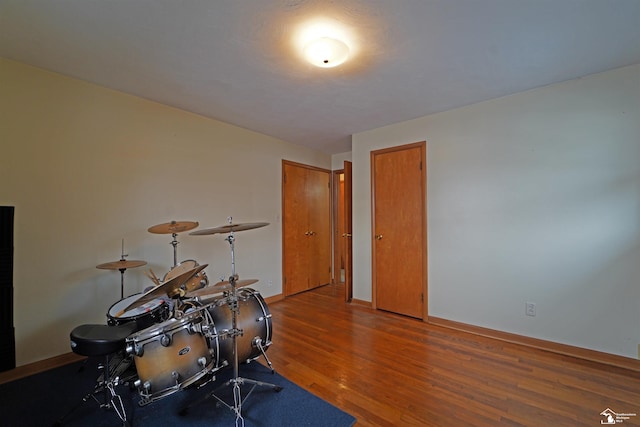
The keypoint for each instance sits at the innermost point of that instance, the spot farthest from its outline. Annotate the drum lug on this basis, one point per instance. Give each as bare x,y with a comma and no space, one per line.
195,327
165,340
202,361
135,349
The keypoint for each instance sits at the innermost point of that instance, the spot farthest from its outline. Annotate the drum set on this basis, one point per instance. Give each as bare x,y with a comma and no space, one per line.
186,329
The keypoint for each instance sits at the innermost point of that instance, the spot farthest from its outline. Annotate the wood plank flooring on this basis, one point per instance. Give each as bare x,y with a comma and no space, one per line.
389,370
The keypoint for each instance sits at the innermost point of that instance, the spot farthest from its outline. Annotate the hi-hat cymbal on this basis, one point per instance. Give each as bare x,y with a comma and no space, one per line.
173,227
121,265
170,288
229,228
219,288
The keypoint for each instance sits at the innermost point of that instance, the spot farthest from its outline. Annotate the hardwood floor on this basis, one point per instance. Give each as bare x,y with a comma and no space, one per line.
388,370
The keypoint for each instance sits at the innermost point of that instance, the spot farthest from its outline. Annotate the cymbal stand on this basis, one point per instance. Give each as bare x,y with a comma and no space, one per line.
236,381
122,270
174,243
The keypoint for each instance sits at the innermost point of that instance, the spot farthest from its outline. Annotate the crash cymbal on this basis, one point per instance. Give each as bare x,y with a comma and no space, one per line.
219,288
121,265
173,227
229,228
170,288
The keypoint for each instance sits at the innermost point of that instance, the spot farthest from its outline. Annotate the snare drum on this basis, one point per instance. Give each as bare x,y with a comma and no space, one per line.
198,281
147,314
169,356
253,318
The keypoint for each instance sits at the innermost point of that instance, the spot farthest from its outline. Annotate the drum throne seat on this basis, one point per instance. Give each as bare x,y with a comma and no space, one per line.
100,340
94,340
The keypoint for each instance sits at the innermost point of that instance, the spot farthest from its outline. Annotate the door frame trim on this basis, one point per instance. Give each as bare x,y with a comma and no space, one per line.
425,288
335,226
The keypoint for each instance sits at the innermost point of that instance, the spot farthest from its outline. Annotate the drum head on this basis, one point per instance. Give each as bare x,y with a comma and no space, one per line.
116,310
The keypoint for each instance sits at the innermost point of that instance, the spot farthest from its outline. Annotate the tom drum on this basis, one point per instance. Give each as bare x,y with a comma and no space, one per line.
253,318
170,356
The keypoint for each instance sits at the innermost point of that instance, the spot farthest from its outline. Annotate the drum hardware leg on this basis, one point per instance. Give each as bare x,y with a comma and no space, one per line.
116,402
111,400
83,365
257,342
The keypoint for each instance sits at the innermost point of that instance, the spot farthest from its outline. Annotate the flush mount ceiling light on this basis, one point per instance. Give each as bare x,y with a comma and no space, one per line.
326,52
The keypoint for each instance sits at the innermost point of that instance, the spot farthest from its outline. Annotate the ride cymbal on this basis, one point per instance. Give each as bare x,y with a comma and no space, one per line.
121,264
173,227
229,228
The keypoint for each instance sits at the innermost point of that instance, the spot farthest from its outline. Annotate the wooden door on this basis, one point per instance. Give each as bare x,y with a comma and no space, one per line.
306,227
399,227
348,231
294,226
318,189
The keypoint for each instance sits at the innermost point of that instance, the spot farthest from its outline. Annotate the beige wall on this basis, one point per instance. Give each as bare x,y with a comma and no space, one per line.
86,167
531,197
337,160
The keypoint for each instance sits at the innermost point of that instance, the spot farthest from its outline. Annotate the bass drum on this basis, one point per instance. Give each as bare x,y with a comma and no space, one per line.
146,315
253,318
198,281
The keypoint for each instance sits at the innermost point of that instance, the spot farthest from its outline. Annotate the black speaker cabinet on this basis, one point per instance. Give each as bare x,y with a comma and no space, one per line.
7,332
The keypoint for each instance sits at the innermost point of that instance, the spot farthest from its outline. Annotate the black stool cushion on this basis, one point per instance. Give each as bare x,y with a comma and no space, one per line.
100,340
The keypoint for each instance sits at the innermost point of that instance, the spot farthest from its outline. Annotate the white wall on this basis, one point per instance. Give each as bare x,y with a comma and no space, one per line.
532,197
86,167
337,160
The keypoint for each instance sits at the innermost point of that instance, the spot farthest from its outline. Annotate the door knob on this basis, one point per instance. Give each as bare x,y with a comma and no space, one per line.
378,236
346,234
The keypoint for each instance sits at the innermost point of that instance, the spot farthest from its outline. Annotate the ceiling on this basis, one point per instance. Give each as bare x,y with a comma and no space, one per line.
237,60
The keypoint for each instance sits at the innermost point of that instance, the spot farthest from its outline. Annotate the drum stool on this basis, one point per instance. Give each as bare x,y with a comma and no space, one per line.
102,341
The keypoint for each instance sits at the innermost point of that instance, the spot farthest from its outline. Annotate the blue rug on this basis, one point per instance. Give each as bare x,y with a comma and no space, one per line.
42,399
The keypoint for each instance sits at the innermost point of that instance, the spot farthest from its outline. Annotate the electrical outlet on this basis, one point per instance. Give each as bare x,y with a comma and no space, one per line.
270,283
530,309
